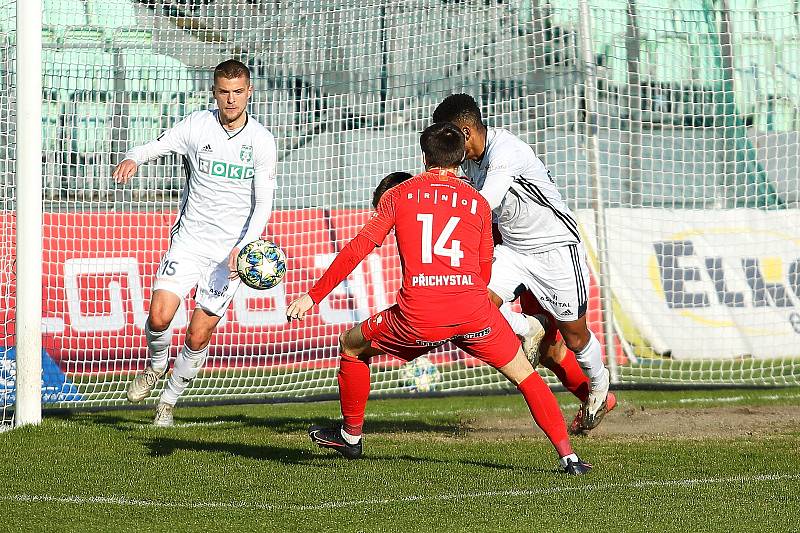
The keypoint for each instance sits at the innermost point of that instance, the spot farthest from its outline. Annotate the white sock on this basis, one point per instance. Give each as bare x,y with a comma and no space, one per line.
517,321
158,343
187,366
590,360
350,439
571,457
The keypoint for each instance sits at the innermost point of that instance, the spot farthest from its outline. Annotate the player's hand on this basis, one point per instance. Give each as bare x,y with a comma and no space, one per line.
234,255
125,171
298,308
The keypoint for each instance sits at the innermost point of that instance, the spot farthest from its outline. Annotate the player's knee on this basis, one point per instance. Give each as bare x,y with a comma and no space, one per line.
158,321
576,340
346,348
197,340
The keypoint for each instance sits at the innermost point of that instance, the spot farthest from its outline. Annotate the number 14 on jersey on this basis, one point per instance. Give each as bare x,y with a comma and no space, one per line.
440,247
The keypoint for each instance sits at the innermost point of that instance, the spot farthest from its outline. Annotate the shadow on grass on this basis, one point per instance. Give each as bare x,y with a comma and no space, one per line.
276,424
163,447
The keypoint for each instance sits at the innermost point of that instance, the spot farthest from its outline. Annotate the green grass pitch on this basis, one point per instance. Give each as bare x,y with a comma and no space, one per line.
688,461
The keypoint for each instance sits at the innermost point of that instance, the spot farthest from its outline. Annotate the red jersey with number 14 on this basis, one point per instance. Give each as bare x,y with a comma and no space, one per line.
443,228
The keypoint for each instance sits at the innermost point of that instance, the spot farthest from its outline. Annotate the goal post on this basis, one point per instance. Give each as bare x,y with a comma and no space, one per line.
28,331
670,128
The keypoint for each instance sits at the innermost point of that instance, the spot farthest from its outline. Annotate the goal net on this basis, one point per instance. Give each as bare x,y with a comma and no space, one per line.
688,107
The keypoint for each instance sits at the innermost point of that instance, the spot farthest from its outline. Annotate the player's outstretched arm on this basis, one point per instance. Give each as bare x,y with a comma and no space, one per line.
298,308
125,171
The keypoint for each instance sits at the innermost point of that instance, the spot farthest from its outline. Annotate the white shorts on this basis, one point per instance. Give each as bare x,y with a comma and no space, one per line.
559,278
181,270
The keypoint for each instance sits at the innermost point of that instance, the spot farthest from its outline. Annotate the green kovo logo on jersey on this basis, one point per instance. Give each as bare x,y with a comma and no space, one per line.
224,169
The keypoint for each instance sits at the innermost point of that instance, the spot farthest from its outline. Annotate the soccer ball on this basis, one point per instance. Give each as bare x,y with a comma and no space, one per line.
421,375
261,264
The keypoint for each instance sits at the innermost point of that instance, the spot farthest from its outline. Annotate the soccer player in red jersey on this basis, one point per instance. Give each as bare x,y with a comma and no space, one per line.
443,228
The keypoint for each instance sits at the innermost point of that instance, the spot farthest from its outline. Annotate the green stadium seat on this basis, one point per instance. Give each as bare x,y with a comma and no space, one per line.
84,36
754,72
564,13
671,61
776,115
156,73
90,126
708,62
788,69
74,70
8,17
616,60
743,17
130,37
190,102
609,20
145,118
111,14
52,111
655,22
64,13
51,36
778,22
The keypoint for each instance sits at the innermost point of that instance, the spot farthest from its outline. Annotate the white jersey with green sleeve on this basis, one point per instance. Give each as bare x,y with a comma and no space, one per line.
530,213
230,182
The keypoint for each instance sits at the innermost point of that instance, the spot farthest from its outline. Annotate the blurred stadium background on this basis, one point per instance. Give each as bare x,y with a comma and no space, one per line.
695,117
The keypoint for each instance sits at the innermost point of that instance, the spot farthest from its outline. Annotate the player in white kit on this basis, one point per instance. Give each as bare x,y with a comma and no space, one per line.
541,248
230,161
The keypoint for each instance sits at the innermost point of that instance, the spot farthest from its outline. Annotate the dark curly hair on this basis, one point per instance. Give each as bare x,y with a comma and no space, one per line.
458,108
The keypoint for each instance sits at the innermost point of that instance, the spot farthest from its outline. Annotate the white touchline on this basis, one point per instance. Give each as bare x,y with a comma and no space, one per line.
595,487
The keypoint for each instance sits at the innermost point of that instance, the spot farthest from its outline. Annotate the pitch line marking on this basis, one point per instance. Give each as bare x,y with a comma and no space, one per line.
596,487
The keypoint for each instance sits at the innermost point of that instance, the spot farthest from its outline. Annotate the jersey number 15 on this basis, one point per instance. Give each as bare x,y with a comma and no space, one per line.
440,246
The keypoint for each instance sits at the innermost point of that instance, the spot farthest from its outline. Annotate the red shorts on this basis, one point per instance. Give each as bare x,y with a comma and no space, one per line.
489,339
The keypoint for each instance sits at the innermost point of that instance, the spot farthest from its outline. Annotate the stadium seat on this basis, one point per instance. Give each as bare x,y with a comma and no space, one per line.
616,61
159,73
788,69
671,61
130,37
8,17
52,111
778,21
189,102
754,72
69,13
655,22
145,118
563,13
88,129
743,17
74,70
90,125
609,20
52,135
83,36
776,115
111,14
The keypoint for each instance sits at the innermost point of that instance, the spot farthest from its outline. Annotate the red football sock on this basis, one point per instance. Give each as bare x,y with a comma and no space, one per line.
353,392
545,411
569,373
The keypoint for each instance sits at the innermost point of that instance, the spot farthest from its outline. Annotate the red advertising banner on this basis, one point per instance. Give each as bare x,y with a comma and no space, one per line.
99,268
